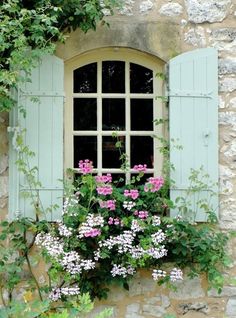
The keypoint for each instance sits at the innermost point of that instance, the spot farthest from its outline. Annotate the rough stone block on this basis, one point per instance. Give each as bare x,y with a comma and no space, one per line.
227,66
155,311
224,34
188,288
171,9
228,84
200,11
231,308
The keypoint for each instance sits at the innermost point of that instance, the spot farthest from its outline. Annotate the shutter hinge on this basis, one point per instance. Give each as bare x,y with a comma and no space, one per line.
179,93
42,93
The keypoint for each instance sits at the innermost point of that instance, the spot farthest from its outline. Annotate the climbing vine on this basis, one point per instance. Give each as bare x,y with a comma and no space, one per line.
30,28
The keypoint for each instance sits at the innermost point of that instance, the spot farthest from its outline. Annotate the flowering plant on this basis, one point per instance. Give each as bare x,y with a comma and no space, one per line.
107,233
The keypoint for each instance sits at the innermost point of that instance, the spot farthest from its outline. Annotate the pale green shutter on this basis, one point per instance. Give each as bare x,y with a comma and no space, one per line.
193,111
42,99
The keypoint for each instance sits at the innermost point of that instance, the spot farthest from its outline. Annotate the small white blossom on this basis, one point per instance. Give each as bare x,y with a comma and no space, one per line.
158,237
157,252
119,270
128,205
176,274
56,293
158,273
52,244
136,227
137,252
64,230
88,228
123,242
156,220
69,204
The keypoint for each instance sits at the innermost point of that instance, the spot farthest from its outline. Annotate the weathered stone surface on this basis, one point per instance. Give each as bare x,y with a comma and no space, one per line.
231,151
228,84
232,102
171,9
3,187
227,66
188,288
154,311
221,102
224,34
145,6
226,186
133,315
227,291
141,286
199,307
195,37
231,308
127,8
226,47
133,308
227,214
228,118
200,11
3,163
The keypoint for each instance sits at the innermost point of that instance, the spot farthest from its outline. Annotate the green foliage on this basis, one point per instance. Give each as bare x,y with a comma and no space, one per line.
200,248
29,29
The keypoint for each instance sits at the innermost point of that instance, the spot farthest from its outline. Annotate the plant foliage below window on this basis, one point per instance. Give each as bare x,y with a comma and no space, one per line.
108,232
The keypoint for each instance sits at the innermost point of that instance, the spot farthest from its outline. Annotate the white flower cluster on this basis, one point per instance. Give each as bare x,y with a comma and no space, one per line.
156,220
97,254
52,244
136,227
73,263
64,230
119,270
157,252
56,293
176,274
123,241
69,202
128,205
158,237
158,273
88,226
137,252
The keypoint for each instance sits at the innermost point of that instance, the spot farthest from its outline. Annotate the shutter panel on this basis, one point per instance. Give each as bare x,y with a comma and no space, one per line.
193,111
42,99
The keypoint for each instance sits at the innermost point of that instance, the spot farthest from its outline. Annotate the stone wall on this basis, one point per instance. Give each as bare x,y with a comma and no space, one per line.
166,28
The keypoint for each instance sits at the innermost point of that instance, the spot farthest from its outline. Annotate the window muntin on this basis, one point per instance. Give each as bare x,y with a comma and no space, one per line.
124,102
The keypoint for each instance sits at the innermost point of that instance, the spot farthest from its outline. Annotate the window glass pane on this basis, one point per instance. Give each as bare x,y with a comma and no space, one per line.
142,150
85,114
85,147
110,153
113,77
141,79
85,79
141,114
113,114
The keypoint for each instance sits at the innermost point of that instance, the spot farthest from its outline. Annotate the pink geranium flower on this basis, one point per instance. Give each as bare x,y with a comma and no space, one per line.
86,166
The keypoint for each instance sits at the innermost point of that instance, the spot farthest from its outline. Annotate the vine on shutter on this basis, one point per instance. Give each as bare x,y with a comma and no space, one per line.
42,99
193,115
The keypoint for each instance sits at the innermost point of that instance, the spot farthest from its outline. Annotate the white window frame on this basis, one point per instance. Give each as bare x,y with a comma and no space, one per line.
114,54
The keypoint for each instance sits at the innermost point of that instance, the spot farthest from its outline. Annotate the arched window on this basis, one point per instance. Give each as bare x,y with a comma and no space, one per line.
111,100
